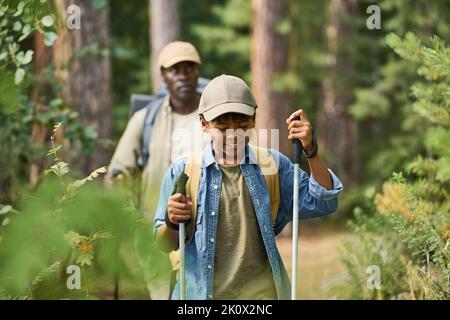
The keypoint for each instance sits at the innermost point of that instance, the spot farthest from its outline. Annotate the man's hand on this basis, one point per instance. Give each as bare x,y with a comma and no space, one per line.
300,129
179,208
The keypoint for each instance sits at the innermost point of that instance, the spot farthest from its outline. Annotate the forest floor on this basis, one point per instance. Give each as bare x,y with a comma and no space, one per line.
320,267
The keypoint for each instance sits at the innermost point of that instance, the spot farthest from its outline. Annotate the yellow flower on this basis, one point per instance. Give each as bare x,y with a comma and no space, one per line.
85,247
392,199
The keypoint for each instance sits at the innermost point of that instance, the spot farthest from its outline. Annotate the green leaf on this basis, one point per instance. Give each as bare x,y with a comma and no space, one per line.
85,259
5,209
41,276
48,20
5,222
24,58
55,103
53,151
50,38
17,26
13,48
98,4
20,8
25,32
3,10
19,75
284,27
102,235
90,132
3,55
102,169
61,168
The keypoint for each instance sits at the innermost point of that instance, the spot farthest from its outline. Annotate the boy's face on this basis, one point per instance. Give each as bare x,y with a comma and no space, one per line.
229,133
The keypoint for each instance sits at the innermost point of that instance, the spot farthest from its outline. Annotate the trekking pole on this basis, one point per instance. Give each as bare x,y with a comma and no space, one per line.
182,235
296,153
181,188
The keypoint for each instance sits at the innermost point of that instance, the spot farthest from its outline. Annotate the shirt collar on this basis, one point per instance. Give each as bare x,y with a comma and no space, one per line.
166,107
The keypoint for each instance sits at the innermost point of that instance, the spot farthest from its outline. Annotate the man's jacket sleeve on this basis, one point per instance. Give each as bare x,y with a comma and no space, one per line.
129,146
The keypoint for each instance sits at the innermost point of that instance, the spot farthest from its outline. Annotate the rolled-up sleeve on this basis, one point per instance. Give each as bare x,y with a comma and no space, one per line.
321,193
314,200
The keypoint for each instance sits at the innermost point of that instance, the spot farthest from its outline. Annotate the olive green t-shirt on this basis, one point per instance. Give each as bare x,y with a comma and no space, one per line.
242,269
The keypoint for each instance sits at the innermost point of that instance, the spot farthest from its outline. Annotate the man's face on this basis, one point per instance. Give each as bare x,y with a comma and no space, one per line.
181,80
229,135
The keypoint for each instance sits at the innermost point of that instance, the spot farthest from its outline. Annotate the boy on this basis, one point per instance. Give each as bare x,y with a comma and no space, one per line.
232,252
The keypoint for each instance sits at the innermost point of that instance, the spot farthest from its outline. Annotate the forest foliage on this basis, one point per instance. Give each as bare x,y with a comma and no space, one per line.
401,102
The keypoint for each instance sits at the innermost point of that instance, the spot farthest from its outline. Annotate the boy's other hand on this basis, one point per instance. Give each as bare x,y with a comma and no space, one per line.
300,129
179,208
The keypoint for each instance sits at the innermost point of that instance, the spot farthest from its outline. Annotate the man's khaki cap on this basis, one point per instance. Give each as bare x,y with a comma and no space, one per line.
178,51
225,94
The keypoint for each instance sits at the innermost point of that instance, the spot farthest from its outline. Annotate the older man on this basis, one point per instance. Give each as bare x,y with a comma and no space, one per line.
172,124
156,136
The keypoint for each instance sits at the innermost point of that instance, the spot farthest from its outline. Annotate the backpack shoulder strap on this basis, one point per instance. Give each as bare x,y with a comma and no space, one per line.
152,110
269,169
193,169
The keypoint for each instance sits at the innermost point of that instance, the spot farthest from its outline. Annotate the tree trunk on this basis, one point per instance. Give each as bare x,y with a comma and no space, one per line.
337,129
269,59
87,80
40,97
164,28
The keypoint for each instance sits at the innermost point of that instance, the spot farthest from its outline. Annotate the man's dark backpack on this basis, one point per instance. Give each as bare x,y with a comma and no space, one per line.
153,104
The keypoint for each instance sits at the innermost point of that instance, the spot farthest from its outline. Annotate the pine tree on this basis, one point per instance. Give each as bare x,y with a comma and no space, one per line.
409,234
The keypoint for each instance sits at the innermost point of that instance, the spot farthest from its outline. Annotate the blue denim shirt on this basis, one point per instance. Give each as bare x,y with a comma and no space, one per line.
314,201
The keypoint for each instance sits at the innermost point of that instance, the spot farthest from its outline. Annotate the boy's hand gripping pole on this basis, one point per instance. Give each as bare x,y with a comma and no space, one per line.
181,188
296,154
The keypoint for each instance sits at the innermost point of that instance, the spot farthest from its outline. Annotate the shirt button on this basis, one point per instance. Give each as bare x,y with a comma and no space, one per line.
212,240
213,213
215,187
209,266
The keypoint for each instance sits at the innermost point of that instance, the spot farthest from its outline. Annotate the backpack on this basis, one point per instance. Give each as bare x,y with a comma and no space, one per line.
193,170
153,104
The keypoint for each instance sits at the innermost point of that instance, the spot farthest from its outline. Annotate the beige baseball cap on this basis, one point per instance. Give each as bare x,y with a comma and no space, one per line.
225,94
178,51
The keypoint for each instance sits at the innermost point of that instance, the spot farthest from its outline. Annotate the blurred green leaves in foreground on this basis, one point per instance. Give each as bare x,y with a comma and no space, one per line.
68,222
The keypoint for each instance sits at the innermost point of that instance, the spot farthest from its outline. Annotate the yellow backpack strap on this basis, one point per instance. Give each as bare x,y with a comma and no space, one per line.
193,169
269,169
174,257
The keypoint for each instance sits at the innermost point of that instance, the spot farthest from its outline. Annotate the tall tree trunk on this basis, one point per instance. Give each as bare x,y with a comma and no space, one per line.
269,58
40,96
337,129
87,80
164,27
